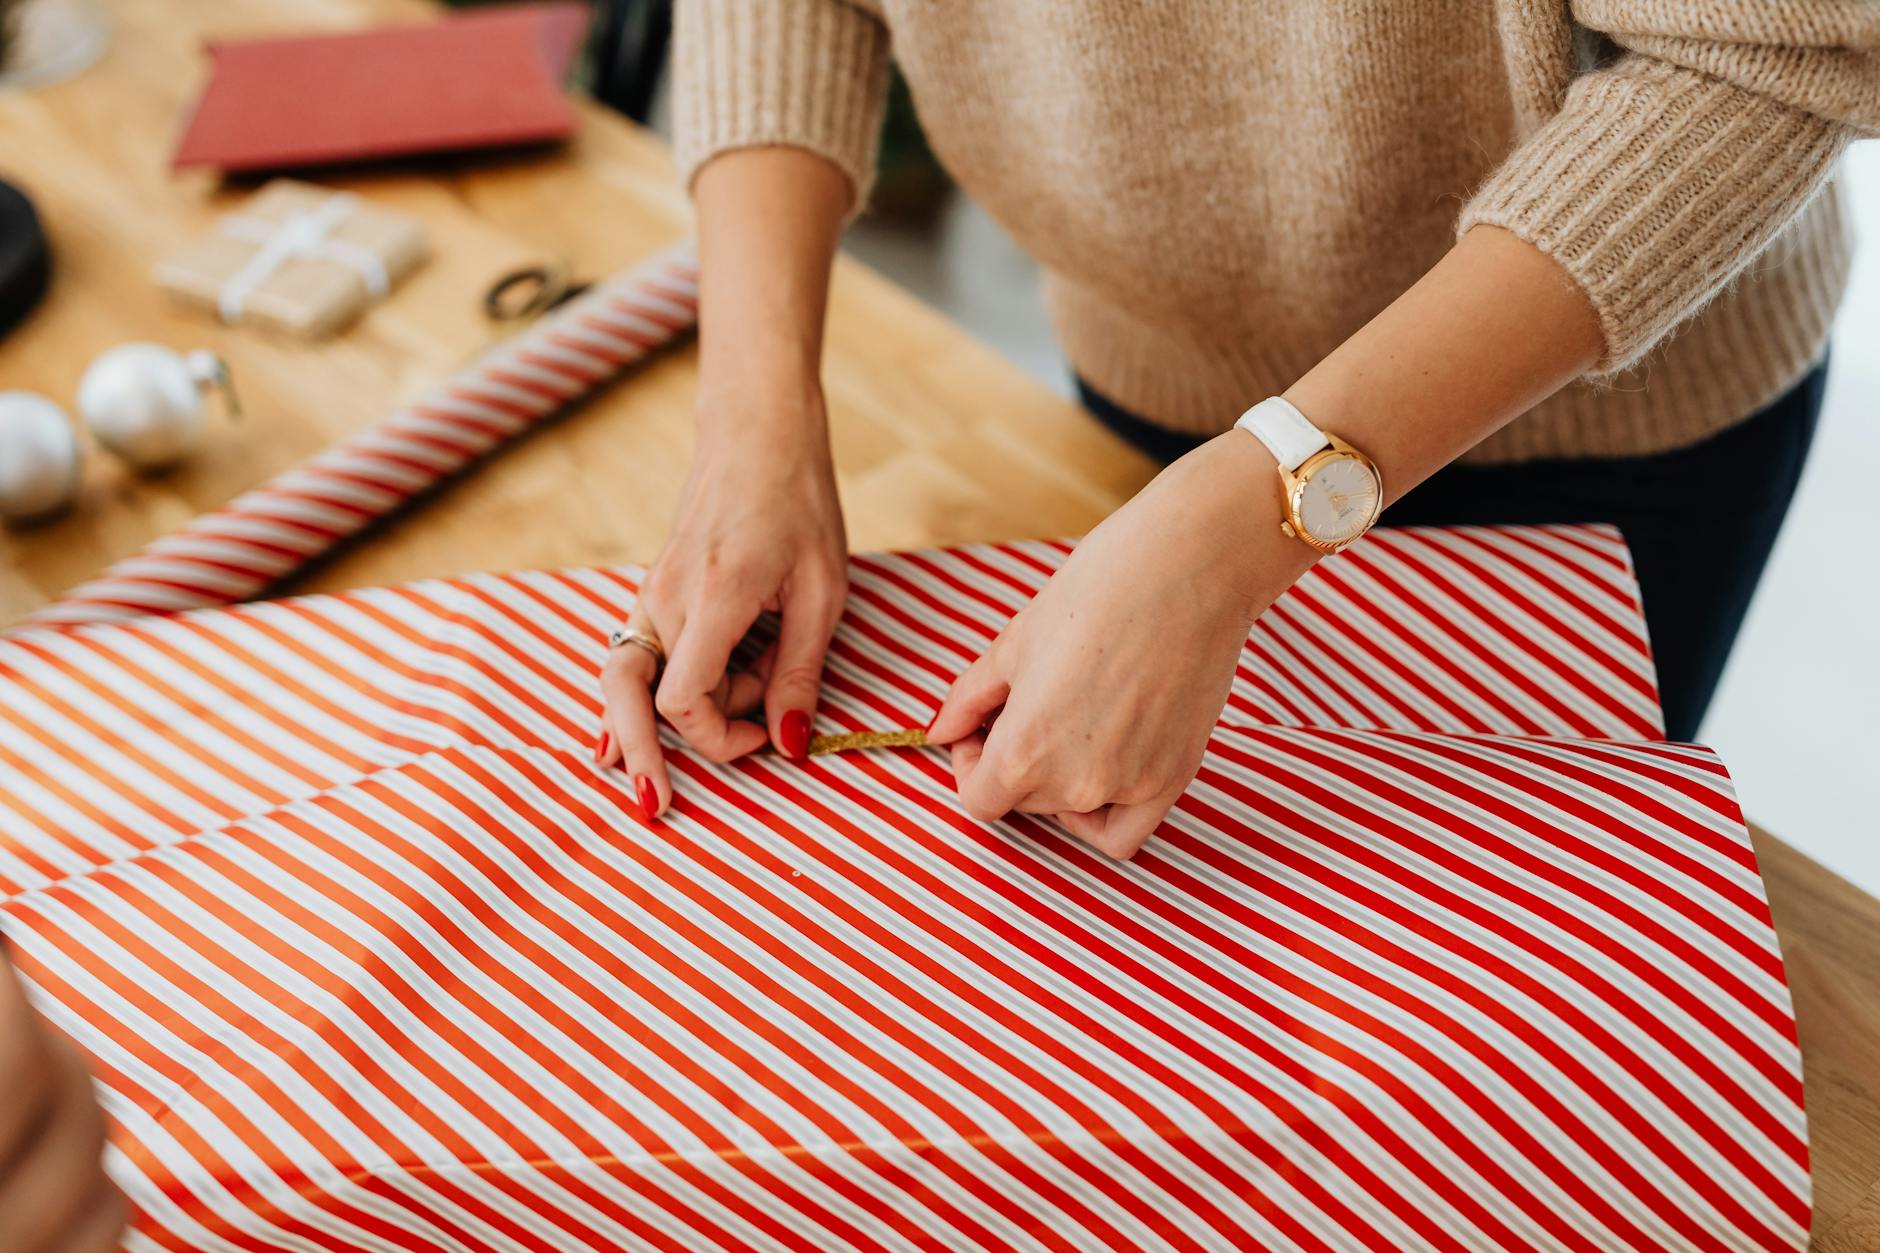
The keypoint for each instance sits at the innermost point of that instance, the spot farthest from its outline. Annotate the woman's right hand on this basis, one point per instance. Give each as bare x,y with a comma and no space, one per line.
759,527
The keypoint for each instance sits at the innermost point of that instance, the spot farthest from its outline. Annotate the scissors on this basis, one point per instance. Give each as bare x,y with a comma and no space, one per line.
527,293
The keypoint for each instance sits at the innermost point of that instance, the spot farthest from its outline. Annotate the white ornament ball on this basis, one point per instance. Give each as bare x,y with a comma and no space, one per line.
144,402
39,457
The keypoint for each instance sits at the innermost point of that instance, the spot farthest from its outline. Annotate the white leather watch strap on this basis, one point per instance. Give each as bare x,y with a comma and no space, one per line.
1287,433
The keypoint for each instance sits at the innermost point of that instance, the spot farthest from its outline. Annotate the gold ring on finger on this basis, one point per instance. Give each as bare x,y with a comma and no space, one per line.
639,639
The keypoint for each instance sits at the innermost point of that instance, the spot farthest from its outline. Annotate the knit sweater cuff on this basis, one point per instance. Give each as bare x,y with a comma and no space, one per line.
809,74
1654,187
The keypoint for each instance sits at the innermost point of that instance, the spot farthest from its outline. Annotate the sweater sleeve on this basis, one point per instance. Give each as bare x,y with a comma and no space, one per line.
808,74
1667,171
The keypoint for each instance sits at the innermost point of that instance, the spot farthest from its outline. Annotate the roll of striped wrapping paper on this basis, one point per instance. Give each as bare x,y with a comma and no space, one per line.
1445,948
265,535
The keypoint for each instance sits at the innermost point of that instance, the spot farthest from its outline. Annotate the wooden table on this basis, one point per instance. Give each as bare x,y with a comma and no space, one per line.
938,439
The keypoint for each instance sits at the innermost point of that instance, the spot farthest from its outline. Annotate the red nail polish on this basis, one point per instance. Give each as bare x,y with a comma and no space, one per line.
794,734
600,748
649,795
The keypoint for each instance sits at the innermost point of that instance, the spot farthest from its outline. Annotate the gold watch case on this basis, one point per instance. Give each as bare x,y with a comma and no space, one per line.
1297,480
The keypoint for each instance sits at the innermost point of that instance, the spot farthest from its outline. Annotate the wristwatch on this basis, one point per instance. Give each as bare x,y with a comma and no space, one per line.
1333,491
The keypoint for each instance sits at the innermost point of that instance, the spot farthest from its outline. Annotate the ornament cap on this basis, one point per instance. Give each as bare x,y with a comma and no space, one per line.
210,371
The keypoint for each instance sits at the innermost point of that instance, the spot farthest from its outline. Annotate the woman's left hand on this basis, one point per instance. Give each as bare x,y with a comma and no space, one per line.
1102,692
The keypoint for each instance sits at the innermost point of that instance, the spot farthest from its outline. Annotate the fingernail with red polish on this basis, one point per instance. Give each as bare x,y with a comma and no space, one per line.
600,748
649,795
794,734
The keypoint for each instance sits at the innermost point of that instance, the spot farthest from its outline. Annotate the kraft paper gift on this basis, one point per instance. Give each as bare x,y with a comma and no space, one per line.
297,259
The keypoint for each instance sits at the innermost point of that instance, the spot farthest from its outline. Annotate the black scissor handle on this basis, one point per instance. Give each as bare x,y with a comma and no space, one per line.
529,292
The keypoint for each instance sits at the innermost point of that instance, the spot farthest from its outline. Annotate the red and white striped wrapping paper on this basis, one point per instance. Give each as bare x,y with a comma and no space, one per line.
263,536
1445,948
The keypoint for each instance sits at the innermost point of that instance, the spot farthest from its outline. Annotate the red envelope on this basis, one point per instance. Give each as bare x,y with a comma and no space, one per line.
482,80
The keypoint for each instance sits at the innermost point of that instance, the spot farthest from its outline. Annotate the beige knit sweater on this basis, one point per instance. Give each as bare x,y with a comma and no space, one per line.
1220,191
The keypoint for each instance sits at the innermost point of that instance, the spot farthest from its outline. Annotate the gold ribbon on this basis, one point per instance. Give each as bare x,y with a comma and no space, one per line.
913,737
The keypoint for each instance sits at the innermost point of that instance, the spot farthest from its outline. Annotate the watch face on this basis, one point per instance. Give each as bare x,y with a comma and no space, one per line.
1338,500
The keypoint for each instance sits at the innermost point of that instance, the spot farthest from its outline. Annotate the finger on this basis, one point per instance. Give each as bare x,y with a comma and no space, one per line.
633,730
996,781
809,619
1118,831
44,1196
1054,792
965,754
1087,827
698,664
743,692
972,700
636,663
631,734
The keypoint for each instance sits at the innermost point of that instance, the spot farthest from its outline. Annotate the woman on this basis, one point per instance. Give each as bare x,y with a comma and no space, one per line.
1569,261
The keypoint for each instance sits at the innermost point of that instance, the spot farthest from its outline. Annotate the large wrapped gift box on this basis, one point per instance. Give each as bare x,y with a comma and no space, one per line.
1445,947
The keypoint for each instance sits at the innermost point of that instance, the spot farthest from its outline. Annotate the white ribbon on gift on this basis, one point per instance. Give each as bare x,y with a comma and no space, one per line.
302,235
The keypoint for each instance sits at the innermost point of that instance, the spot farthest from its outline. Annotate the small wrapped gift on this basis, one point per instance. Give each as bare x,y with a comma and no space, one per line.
296,258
